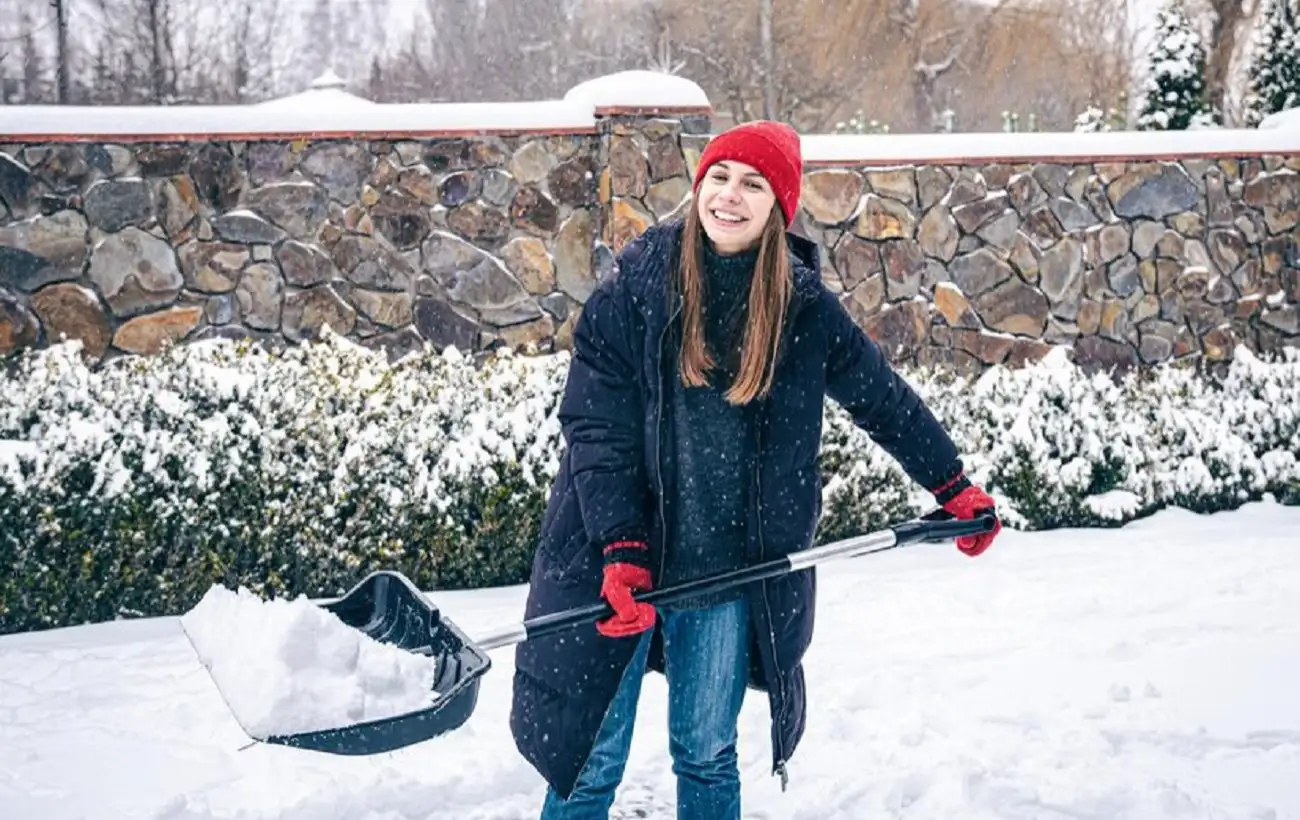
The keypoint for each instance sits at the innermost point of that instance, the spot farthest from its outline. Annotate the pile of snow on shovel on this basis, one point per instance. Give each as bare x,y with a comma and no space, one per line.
287,665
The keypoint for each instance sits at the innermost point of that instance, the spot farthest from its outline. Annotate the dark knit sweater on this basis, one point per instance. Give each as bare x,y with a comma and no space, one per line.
708,529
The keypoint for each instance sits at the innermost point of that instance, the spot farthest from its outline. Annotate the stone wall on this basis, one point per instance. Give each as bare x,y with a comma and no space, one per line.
454,241
1127,263
497,236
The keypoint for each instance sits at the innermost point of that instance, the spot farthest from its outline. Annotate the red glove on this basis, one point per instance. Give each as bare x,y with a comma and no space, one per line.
627,568
965,501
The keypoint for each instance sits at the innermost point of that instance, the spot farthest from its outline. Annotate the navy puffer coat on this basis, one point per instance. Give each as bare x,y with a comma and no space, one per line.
618,459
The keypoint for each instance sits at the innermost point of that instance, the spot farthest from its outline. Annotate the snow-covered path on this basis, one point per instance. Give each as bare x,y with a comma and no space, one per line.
1147,672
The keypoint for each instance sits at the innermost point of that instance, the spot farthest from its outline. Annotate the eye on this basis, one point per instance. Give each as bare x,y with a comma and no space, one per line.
754,185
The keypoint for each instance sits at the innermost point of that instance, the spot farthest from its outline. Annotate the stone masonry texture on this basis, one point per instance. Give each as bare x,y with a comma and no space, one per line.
498,239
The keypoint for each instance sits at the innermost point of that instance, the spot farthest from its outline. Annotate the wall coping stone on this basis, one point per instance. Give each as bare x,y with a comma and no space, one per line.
636,93
197,123
1044,147
626,93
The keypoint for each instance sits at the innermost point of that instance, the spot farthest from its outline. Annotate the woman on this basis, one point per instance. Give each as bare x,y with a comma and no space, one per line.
692,419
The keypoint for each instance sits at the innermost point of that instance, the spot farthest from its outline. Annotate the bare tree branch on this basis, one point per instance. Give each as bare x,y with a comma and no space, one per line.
1228,21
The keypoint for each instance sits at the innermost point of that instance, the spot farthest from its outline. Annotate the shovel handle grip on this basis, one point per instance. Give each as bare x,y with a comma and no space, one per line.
940,525
935,526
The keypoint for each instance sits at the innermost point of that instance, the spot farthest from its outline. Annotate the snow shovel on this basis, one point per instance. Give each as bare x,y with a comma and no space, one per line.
389,608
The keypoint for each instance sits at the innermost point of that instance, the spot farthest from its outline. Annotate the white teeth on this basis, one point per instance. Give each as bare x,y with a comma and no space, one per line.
727,217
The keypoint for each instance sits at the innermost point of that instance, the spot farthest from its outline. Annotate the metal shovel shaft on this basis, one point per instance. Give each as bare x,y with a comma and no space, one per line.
925,529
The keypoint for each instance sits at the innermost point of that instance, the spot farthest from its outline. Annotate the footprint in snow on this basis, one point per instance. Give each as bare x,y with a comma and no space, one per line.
907,791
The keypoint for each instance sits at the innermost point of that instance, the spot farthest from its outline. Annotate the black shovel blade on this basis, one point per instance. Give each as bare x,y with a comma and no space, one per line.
386,606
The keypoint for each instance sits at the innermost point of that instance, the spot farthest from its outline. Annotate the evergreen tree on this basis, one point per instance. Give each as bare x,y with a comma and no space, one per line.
1175,91
1275,63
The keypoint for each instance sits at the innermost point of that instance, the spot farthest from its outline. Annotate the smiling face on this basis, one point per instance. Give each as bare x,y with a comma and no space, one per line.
734,203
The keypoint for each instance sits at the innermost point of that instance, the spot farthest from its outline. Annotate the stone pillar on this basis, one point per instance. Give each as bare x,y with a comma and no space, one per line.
652,129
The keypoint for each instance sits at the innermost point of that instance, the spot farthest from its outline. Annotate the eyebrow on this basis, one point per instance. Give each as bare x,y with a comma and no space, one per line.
751,174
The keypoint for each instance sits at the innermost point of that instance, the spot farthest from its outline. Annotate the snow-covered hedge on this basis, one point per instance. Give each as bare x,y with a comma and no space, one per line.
129,490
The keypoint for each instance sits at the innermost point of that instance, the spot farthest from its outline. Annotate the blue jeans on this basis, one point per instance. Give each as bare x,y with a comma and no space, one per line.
706,666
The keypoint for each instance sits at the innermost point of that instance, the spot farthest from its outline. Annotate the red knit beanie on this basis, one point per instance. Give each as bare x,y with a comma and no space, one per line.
772,148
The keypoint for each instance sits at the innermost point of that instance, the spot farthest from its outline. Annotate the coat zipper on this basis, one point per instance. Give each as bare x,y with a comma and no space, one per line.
659,441
779,768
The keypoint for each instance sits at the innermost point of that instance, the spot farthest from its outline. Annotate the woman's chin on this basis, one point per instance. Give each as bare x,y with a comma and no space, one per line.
728,238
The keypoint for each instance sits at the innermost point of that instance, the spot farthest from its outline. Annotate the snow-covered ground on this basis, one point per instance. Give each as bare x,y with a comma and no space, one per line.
1146,672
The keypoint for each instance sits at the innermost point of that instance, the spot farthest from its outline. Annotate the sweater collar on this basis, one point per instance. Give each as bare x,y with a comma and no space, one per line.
729,268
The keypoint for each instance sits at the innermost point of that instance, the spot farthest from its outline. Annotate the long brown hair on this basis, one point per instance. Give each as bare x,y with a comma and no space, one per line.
769,298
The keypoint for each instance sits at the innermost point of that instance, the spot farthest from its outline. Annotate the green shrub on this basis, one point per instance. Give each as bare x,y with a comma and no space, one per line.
128,490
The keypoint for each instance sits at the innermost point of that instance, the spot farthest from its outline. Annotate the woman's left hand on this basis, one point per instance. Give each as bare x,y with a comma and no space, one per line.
968,503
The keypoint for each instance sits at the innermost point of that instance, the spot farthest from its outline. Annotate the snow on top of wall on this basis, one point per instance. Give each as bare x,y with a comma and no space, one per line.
325,108
640,89
884,148
309,113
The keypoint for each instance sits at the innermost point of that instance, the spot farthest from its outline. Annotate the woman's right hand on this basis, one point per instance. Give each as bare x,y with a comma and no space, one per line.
626,570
